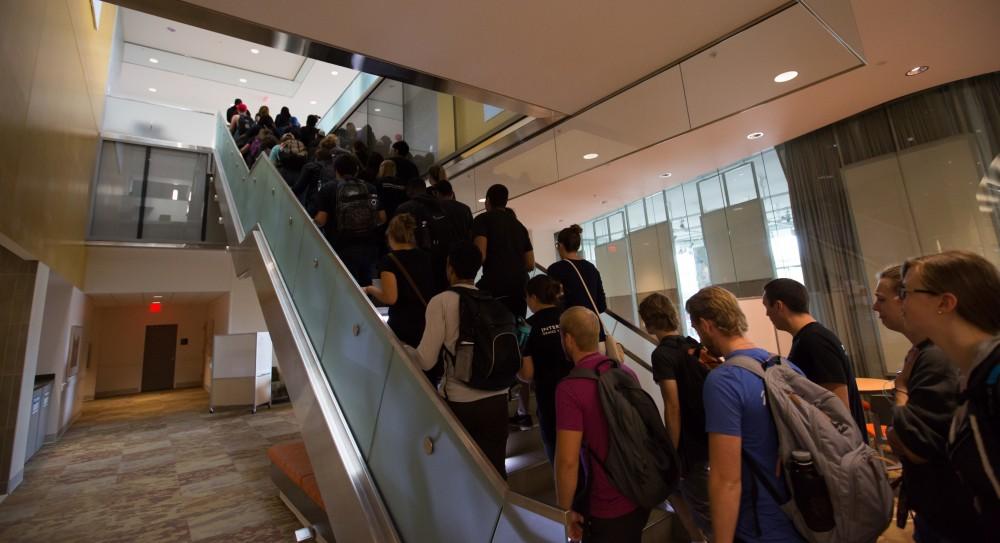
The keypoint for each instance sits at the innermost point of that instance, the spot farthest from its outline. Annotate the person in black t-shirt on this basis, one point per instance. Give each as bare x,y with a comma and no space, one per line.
575,292
399,153
545,363
508,256
679,374
459,213
407,305
817,351
357,247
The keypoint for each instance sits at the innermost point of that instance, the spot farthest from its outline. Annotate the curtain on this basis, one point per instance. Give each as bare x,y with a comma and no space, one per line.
832,263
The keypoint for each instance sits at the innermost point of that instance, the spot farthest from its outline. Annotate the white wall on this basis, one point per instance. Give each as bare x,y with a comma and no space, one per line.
65,307
129,270
135,118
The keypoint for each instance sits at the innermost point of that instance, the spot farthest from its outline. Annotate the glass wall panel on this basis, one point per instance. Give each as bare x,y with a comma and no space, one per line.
118,192
711,194
656,211
740,185
175,195
612,260
636,216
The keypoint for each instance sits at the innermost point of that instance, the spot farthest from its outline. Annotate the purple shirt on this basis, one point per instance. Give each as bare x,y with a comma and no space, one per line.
578,408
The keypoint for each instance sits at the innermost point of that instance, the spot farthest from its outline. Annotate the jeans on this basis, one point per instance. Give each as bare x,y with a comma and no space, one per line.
360,261
694,490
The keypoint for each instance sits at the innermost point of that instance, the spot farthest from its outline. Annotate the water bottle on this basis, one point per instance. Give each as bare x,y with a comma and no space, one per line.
811,495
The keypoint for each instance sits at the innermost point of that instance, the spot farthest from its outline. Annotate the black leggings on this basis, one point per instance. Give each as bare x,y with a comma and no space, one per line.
486,422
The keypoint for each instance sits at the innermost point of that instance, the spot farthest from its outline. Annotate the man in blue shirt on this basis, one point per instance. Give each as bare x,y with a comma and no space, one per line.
738,421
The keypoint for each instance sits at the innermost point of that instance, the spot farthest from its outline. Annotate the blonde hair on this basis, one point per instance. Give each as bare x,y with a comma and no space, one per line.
329,142
401,228
718,305
892,274
387,169
970,278
581,324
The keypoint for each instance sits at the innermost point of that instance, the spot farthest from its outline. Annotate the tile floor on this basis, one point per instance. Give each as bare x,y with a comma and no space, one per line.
155,467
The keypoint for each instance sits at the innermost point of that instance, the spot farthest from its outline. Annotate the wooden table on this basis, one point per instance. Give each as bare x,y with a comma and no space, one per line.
867,385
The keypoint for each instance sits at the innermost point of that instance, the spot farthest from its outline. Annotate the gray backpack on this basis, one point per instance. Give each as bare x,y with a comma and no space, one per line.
810,418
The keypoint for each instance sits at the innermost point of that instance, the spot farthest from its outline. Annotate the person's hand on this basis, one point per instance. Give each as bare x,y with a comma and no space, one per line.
573,522
368,290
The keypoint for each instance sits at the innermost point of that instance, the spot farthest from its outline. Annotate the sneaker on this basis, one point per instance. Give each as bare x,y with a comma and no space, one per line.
523,422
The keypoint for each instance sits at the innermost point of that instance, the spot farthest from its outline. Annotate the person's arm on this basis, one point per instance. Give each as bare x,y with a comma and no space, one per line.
433,338
567,468
527,371
529,261
481,243
599,298
671,410
380,217
389,293
900,448
724,484
840,390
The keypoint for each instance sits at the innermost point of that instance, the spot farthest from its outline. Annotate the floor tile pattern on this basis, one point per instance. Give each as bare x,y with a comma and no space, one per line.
155,467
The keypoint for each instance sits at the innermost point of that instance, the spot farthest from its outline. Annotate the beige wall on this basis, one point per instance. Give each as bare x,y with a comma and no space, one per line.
469,123
118,346
55,67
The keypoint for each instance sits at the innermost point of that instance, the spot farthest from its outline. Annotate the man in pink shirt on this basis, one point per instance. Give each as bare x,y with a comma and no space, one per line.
602,513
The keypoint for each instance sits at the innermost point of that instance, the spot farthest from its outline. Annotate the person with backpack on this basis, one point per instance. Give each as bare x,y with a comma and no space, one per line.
816,350
475,336
739,425
460,214
680,374
787,461
544,362
435,231
289,157
951,298
317,173
233,109
242,125
609,425
407,282
349,213
926,395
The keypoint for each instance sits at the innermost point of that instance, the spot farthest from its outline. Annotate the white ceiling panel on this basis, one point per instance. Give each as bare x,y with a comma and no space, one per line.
739,72
155,32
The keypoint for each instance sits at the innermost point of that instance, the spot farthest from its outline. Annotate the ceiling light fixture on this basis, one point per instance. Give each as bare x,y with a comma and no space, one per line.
378,109
665,175
335,72
482,200
242,80
755,135
151,89
157,296
916,70
154,61
785,77
590,156
255,51
312,102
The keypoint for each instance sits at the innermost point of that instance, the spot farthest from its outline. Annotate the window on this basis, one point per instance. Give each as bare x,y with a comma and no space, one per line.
740,184
656,211
710,191
636,216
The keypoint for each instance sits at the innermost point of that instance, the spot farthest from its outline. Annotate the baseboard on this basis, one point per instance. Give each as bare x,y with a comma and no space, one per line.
190,384
111,393
15,481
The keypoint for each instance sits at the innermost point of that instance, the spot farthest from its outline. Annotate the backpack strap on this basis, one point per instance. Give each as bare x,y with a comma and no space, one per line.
759,478
409,279
746,363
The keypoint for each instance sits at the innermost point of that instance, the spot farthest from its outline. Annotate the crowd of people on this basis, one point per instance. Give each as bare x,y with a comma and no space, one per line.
387,222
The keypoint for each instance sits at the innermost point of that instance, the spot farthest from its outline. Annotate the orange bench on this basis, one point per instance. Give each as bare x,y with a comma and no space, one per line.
292,473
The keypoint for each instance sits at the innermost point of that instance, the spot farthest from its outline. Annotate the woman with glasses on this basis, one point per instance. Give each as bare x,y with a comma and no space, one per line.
952,299
925,401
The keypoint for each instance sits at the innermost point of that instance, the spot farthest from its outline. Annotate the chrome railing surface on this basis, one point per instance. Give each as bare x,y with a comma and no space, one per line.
392,461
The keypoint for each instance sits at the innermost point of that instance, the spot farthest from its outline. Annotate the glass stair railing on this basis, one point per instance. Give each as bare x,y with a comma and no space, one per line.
392,462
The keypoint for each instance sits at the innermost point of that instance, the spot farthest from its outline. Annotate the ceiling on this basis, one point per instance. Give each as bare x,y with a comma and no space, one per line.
204,71
145,298
556,54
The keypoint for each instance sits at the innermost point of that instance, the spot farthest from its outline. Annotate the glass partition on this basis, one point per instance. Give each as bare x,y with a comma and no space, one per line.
361,84
152,193
392,411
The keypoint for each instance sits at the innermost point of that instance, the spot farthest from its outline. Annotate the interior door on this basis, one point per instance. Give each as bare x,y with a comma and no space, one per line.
158,356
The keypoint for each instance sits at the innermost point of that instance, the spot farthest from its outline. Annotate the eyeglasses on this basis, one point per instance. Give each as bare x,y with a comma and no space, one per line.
904,292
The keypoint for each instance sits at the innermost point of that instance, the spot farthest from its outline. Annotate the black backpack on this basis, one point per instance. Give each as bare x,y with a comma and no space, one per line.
244,125
487,356
641,460
435,232
356,209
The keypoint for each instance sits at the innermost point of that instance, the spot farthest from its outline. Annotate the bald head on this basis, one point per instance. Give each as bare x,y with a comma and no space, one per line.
582,330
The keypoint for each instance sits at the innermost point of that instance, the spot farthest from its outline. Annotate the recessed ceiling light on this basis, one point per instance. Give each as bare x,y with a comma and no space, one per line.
917,70
151,89
378,109
154,61
482,200
665,175
242,80
335,72
784,77
590,156
755,135
157,296
255,51
312,102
